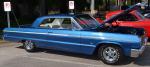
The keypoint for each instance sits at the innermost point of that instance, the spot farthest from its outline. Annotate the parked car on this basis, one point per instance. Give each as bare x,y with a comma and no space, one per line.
80,34
130,19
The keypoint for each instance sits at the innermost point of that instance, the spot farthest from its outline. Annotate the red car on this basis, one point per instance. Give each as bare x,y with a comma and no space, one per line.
131,19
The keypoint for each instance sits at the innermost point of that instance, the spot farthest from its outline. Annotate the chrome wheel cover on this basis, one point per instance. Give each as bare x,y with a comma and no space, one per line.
28,45
110,54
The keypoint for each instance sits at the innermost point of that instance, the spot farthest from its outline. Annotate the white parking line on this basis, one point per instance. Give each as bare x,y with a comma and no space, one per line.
71,62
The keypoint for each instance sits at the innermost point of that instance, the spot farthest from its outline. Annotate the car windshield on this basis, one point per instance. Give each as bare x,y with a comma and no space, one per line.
87,22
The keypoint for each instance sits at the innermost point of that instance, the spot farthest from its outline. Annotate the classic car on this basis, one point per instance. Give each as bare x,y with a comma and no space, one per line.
80,33
131,19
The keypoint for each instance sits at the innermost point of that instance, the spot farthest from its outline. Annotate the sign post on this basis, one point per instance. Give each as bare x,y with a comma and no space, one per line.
7,8
71,6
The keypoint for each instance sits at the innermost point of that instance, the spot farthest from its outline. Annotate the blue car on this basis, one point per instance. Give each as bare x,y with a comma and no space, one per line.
80,33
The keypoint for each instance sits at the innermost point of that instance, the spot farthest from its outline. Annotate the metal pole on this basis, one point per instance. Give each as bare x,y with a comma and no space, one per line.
8,19
71,11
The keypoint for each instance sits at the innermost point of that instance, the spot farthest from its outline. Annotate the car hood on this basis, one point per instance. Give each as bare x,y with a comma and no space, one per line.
115,17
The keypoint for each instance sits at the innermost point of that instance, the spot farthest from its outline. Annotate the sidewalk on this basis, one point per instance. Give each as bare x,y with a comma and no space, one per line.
1,41
6,43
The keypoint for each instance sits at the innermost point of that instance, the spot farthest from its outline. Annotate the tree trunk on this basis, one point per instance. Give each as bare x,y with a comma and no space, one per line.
92,7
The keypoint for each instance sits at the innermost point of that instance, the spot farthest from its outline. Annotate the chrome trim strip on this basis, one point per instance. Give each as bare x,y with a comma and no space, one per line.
78,44
25,32
87,37
137,52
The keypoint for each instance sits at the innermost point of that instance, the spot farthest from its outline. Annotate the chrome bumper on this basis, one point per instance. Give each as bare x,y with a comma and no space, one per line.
137,52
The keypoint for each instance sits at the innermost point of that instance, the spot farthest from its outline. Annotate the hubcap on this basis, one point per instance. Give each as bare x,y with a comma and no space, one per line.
110,54
28,45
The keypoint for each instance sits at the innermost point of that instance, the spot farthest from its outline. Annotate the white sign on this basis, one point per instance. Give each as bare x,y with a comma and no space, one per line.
7,6
71,4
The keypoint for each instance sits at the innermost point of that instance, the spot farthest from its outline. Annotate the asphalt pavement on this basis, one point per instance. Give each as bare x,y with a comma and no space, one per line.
12,55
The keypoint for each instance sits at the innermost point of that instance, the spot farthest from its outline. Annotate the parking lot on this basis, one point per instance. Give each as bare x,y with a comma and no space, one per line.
12,55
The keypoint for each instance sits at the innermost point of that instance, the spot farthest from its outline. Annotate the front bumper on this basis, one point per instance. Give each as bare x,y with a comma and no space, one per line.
137,52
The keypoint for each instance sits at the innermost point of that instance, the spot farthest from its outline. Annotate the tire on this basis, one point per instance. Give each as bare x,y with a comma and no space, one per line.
110,54
29,46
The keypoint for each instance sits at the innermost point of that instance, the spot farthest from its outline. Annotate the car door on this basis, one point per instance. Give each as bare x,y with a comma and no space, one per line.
63,36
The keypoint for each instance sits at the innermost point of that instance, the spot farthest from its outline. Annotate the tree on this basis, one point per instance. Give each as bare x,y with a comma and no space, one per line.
92,7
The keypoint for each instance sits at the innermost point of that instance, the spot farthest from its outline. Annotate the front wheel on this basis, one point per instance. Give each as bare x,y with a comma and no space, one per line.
29,46
110,54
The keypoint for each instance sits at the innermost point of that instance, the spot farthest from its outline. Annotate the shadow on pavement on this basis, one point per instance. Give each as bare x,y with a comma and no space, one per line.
91,57
126,61
144,60
69,54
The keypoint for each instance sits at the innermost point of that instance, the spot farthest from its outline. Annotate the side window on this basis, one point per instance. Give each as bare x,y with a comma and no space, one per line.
127,17
62,23
66,24
47,23
57,23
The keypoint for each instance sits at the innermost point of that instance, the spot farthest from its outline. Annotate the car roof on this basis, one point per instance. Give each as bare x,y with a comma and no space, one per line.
63,15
